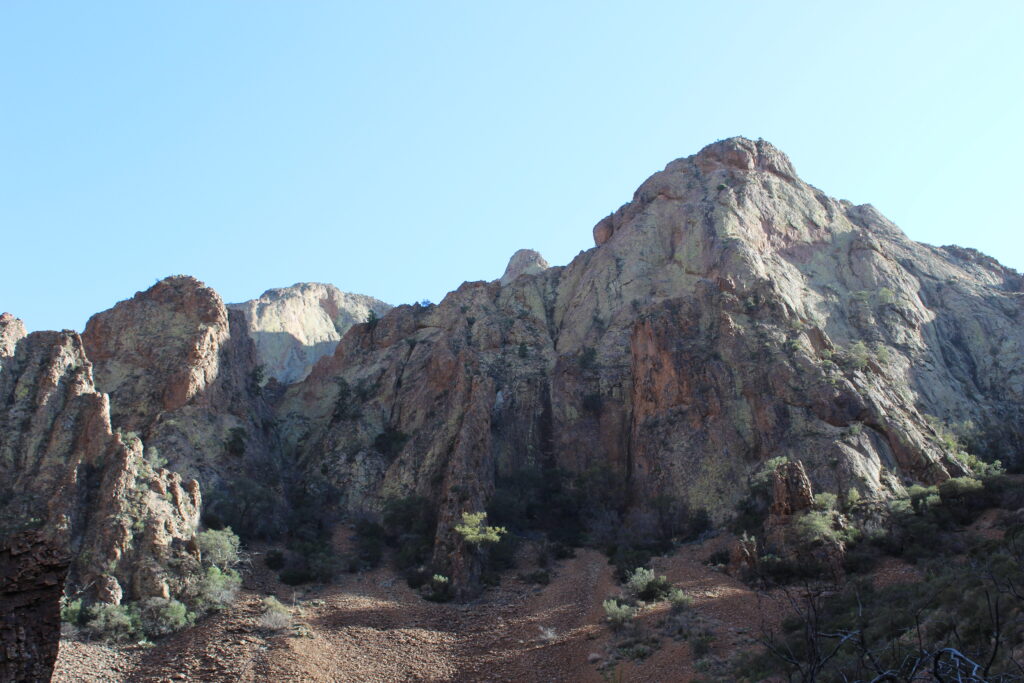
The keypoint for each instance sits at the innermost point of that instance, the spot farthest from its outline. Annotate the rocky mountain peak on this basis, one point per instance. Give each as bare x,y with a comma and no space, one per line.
742,154
524,262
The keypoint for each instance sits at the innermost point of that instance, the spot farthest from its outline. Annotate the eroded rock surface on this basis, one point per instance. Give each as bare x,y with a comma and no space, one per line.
76,498
293,327
730,313
180,369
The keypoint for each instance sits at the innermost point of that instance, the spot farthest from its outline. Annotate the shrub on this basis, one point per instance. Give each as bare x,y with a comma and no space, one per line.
679,600
438,589
160,617
219,548
276,616
618,614
644,585
117,623
474,530
858,355
296,576
815,526
825,501
588,358
218,588
72,612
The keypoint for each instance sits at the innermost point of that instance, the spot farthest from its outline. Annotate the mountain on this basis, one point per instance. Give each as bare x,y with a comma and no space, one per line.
729,318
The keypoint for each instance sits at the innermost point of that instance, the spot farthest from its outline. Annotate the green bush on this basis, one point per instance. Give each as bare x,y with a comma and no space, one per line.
642,584
815,526
217,589
825,501
160,617
617,613
71,612
679,600
276,616
475,531
116,623
218,548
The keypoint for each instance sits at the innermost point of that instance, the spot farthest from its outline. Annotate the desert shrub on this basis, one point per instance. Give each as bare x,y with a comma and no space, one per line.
274,559
71,611
679,600
116,623
276,616
160,617
217,589
218,548
825,501
644,585
475,531
618,614
815,526
858,355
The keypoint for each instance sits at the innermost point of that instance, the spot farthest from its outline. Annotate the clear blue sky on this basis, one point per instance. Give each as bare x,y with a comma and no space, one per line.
398,149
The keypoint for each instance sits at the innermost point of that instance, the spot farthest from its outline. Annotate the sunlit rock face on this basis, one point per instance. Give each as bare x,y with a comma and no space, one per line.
728,314
293,327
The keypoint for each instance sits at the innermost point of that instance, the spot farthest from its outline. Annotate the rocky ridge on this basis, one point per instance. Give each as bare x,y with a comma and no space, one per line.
729,315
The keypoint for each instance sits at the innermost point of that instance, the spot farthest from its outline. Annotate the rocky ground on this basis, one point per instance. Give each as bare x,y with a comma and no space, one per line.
372,627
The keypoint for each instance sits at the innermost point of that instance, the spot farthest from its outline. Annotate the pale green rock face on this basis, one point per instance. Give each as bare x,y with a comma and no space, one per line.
294,327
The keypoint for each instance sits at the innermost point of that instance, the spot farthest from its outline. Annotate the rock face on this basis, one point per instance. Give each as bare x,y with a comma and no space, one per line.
180,370
730,313
32,572
293,327
77,498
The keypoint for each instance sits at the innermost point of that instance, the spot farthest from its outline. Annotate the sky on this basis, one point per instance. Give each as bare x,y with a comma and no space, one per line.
398,149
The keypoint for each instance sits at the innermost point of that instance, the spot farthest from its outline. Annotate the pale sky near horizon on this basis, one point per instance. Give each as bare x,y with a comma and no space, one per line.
398,149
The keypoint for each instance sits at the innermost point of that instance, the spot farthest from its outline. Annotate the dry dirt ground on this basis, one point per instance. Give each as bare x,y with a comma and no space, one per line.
373,627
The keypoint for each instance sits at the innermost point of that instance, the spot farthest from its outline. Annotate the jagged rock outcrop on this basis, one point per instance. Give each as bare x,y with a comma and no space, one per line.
76,494
180,369
524,262
730,313
293,327
791,490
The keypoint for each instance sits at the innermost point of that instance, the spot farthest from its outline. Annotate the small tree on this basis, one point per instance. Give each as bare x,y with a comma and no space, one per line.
474,530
